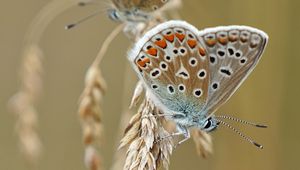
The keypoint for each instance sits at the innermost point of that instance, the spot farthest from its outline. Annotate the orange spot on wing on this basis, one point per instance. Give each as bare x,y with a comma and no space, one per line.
192,43
170,38
142,63
211,42
180,36
202,51
244,39
152,51
253,45
223,41
232,38
161,44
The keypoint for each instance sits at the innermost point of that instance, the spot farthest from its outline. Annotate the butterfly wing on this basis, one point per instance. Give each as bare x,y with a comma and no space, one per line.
143,5
173,64
233,52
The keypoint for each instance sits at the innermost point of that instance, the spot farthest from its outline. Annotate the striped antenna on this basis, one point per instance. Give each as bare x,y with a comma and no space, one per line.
242,121
73,25
241,134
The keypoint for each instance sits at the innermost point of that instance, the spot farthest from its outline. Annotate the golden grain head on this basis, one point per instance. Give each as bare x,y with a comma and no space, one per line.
203,142
142,136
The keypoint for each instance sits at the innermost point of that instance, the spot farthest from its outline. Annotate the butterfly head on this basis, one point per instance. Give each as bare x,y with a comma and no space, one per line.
133,15
113,14
209,124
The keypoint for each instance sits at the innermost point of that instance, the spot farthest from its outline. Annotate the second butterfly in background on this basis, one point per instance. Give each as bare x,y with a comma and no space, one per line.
137,10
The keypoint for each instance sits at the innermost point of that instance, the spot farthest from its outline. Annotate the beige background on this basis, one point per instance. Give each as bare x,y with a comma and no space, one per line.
270,94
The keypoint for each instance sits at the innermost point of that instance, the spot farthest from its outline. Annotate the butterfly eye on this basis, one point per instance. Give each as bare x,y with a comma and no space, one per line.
114,15
208,123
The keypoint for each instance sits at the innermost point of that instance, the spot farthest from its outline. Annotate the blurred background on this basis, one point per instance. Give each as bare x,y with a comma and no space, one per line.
270,95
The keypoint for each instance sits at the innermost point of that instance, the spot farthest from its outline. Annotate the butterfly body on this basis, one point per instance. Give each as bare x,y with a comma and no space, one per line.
134,10
190,73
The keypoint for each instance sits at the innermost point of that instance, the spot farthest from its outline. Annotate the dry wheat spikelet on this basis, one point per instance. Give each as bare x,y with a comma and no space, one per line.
23,103
90,116
90,106
203,142
142,136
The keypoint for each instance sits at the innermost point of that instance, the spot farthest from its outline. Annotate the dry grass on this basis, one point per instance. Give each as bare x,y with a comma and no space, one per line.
90,106
23,104
142,136
90,116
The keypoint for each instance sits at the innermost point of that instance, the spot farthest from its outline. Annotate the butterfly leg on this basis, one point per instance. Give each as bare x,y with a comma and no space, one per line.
170,136
180,131
184,131
165,115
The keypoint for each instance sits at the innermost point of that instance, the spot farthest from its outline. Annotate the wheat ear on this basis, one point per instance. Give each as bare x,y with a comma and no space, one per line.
90,106
142,136
23,103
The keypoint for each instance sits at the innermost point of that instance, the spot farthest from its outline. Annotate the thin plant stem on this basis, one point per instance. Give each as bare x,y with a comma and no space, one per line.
106,44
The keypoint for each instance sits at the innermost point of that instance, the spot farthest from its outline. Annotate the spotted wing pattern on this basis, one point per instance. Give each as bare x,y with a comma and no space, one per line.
174,65
233,53
142,5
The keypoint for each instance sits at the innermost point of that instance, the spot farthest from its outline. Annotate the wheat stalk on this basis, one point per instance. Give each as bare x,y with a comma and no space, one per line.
143,137
90,115
90,105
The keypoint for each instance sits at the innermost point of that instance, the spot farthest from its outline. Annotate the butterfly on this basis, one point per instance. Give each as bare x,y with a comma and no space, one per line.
134,10
189,73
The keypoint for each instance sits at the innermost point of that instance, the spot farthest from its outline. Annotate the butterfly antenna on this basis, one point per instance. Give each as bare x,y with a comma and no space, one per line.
241,134
70,26
242,121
